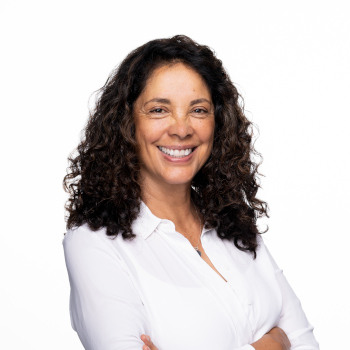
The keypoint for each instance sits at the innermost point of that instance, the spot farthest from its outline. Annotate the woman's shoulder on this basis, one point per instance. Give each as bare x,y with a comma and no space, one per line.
263,254
85,247
82,233
82,238
260,242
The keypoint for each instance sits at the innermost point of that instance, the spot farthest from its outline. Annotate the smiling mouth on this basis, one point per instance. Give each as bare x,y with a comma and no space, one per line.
176,153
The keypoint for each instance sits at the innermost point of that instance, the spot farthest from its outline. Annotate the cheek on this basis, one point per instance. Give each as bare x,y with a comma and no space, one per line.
149,132
207,133
143,135
210,137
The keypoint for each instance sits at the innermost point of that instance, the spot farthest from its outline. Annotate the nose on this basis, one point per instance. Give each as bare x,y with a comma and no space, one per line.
181,126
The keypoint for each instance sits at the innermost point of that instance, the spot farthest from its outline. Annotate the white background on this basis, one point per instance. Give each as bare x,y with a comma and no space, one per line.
289,59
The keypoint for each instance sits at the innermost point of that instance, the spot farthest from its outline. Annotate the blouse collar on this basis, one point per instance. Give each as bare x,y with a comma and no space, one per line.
146,222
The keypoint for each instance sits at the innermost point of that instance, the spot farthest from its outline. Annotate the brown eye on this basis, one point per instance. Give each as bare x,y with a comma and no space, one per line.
157,110
199,110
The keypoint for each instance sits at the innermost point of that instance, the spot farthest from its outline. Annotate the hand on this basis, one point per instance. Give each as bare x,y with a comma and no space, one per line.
275,339
148,343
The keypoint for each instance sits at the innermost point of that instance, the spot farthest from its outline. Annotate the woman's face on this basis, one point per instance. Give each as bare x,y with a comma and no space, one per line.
174,121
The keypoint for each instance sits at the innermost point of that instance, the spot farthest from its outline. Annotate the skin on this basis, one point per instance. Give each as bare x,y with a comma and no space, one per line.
275,339
175,111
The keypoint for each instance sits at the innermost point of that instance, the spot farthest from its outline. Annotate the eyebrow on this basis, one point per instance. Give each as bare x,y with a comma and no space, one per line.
199,100
166,101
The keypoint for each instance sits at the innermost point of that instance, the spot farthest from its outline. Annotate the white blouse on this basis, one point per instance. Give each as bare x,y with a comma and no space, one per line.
158,285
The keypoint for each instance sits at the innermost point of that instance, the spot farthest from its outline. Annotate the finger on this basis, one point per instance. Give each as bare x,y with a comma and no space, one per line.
146,339
148,342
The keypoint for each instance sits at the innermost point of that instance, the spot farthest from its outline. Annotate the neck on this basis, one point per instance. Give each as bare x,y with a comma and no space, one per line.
171,202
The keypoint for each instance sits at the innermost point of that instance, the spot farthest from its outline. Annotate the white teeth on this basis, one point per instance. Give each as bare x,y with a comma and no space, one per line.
175,152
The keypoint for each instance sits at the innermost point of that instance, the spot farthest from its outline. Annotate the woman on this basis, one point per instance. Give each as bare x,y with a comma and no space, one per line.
162,239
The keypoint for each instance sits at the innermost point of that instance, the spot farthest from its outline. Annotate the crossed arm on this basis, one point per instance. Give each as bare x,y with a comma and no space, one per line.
105,306
276,339
292,321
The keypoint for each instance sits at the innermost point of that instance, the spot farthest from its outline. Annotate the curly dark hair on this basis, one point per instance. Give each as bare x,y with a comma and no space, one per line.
103,175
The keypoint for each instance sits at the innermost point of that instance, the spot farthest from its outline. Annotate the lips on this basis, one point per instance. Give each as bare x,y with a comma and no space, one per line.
176,153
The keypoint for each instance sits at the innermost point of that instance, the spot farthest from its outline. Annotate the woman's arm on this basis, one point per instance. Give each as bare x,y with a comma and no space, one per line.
106,310
293,332
276,339
293,320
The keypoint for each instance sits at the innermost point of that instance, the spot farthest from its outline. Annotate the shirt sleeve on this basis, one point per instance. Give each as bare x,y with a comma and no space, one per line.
293,320
245,347
105,308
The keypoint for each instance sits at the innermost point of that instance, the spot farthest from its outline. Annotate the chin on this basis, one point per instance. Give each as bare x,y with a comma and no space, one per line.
178,180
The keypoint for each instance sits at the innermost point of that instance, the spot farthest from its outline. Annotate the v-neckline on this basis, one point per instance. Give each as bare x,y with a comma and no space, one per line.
203,252
213,267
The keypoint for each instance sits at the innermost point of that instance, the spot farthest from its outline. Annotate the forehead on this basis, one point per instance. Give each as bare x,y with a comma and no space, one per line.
176,79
